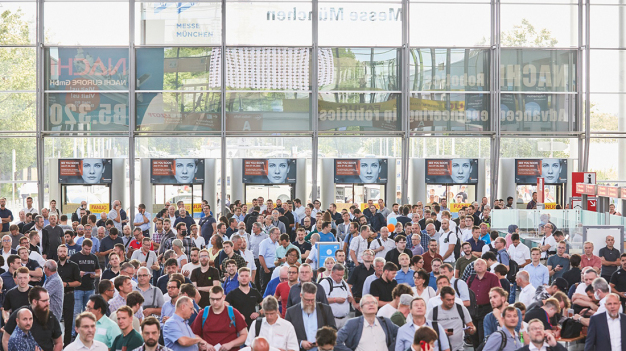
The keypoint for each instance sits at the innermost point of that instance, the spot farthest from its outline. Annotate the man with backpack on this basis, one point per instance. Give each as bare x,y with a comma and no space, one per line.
278,332
417,319
338,294
508,338
454,318
449,243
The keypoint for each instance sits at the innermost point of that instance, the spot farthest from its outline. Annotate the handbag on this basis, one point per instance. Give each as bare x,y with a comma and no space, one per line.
571,329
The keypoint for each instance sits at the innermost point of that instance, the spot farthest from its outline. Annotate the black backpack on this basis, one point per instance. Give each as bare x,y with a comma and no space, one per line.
459,308
457,244
571,328
502,343
513,269
252,217
332,285
473,307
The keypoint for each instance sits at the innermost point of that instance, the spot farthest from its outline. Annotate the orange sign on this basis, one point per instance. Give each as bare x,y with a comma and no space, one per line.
550,206
99,208
454,207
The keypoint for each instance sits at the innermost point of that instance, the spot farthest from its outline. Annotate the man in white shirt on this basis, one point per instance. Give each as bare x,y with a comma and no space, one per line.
86,329
447,241
338,294
194,262
548,243
467,231
519,252
278,332
442,281
580,296
528,290
384,244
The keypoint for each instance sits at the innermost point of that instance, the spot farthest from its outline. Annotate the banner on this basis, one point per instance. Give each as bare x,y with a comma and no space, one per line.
361,171
177,171
269,171
553,170
88,171
452,171
455,207
99,208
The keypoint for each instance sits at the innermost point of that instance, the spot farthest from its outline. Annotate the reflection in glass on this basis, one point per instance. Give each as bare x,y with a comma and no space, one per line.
534,25
24,160
608,112
449,69
179,23
608,68
89,69
86,111
459,25
17,111
178,68
449,112
260,111
193,111
359,112
18,23
359,69
18,68
606,22
538,70
537,112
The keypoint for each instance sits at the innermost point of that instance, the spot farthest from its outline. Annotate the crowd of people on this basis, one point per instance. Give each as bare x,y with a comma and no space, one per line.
405,277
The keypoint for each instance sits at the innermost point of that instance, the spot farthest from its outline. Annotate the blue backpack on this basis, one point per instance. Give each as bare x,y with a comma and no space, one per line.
231,315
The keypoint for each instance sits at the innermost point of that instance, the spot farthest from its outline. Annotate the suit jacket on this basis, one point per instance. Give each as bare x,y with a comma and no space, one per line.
294,295
598,337
294,316
349,336
558,347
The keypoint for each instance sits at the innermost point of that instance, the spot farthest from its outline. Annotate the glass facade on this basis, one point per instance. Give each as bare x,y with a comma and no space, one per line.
132,79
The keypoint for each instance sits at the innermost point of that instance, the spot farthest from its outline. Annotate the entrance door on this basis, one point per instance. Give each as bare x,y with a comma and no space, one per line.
191,196
283,192
454,193
94,195
358,193
553,194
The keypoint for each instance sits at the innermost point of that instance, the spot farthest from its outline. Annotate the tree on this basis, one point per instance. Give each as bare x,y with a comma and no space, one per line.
525,35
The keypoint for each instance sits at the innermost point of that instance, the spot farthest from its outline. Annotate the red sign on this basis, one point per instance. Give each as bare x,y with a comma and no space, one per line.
613,192
540,189
579,189
602,190
592,205
590,189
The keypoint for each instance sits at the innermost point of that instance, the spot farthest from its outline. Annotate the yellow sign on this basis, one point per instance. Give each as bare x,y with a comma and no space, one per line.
364,206
197,208
456,207
550,206
99,208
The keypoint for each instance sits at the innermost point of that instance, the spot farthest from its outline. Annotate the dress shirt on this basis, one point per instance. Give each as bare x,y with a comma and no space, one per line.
267,249
174,329
539,274
593,261
358,245
106,331
373,337
280,335
78,345
167,310
615,332
602,308
54,285
527,294
406,278
310,326
405,335
20,341
118,301
139,218
255,241
519,253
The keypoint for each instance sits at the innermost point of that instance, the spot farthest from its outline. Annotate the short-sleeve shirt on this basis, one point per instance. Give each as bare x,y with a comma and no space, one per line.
282,294
174,329
594,261
450,319
554,261
382,289
610,255
6,213
245,303
267,249
44,335
131,341
15,299
619,279
203,279
217,329
86,263
107,244
358,277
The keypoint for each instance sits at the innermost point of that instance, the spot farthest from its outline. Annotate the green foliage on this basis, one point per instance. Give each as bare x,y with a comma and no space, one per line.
526,35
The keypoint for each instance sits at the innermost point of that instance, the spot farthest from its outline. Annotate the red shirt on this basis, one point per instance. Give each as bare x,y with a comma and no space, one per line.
428,259
136,245
594,262
282,294
217,328
481,287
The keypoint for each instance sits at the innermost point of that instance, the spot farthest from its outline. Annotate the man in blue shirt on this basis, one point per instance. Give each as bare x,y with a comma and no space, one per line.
5,215
231,282
267,256
177,334
499,300
476,243
539,274
22,339
325,234
404,338
207,224
405,274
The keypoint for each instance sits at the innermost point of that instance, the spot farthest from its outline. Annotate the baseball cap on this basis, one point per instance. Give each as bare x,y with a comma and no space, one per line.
405,299
561,284
512,228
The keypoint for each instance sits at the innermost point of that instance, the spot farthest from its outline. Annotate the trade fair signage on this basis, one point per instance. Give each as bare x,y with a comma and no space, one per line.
86,171
269,171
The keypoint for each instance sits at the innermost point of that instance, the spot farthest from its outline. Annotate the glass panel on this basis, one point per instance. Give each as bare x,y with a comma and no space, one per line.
17,68
178,68
20,163
17,111
535,26
268,68
540,148
366,24
446,112
608,69
86,23
537,112
608,112
606,24
18,23
449,69
260,111
607,158
451,148
87,68
538,70
194,111
450,24
359,69
359,112
268,23
86,111
174,23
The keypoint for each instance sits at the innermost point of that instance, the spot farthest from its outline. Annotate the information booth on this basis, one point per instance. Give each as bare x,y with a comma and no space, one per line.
358,180
270,178
554,172
178,179
86,179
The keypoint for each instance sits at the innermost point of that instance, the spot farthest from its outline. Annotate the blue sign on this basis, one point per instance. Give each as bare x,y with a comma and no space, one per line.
325,250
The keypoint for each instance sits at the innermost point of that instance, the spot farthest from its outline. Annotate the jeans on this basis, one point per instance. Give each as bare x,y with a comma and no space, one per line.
512,293
80,300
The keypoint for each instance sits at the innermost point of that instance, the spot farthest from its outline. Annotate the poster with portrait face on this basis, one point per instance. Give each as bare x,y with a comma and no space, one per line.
86,171
452,171
177,171
553,170
361,171
269,171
